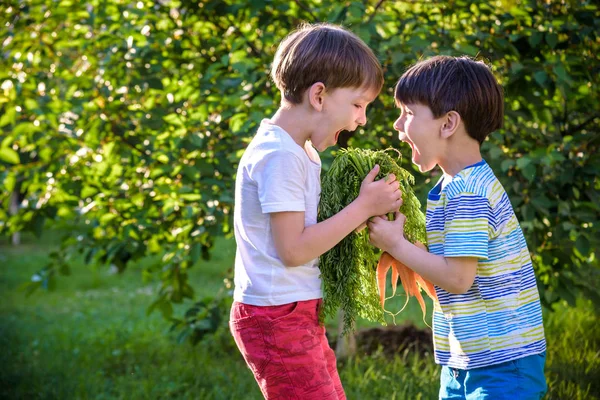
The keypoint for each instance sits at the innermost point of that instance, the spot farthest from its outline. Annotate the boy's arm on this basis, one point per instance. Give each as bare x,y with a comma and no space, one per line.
297,244
453,274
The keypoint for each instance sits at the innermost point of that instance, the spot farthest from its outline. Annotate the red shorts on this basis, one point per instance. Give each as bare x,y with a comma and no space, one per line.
286,350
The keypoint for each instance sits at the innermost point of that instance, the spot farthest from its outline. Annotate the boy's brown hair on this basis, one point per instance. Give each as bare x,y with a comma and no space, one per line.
460,84
324,53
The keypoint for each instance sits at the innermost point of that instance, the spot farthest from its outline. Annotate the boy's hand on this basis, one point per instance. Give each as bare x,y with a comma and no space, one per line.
382,196
386,234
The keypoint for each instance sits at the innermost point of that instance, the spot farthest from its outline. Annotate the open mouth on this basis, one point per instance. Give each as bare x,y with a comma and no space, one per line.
337,134
415,152
413,149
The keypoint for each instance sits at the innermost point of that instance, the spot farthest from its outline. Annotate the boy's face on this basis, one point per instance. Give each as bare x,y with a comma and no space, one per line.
418,127
343,109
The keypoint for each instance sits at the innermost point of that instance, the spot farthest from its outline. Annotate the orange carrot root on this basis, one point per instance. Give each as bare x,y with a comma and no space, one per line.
384,264
411,281
394,279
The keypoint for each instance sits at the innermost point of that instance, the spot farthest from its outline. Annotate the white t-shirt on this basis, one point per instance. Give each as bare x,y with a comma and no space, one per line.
275,174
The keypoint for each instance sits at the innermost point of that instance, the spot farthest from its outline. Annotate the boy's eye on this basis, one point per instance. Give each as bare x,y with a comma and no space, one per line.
357,106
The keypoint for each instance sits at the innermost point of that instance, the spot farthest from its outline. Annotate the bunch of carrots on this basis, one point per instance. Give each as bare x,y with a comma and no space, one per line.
353,273
411,281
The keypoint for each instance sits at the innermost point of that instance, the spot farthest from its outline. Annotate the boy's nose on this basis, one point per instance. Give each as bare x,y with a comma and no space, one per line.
398,125
362,120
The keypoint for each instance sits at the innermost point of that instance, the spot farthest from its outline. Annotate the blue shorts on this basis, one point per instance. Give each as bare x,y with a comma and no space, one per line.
521,379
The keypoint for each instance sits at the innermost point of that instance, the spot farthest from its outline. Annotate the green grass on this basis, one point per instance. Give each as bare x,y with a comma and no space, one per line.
573,361
91,339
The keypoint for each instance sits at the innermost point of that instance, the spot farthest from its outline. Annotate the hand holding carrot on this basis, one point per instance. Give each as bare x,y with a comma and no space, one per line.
387,234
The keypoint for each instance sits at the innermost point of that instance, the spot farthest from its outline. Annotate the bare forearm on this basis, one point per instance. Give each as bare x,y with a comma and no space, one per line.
297,244
442,272
323,236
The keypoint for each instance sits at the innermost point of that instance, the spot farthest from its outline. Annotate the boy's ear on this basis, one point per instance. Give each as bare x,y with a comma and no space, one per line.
316,93
452,121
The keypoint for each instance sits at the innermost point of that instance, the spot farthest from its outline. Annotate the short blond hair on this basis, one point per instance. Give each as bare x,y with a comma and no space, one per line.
324,53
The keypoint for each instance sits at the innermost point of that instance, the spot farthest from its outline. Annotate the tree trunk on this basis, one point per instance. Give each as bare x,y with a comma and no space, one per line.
346,345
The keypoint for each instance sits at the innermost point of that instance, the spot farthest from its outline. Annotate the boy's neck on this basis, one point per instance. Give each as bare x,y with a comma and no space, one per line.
462,151
296,120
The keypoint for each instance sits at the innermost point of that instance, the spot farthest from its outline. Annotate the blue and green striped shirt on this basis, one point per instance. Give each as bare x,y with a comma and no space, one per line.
499,318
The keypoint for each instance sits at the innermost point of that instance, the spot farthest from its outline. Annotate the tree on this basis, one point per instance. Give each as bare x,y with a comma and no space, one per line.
125,122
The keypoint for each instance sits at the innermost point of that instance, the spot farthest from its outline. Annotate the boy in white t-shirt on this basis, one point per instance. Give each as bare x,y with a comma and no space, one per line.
327,77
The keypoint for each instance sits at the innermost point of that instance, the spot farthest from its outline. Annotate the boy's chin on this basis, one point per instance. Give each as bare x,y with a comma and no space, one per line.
320,146
421,164
424,167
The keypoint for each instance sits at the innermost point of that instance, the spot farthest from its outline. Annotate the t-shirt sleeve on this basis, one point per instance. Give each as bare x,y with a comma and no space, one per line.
281,180
466,233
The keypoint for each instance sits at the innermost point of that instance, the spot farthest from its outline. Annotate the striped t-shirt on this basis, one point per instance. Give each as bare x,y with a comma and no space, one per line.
500,318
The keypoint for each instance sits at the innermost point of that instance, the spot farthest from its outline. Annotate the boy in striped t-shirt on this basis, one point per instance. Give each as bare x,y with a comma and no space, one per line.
487,323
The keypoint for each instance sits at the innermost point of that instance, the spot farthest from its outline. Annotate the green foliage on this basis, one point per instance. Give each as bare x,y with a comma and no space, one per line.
348,270
126,121
205,317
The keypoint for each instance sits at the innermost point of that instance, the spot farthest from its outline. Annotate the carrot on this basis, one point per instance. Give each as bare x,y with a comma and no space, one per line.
424,284
395,276
412,282
407,278
384,264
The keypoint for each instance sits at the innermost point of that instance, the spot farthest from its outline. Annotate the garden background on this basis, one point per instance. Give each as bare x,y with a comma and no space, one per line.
121,125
